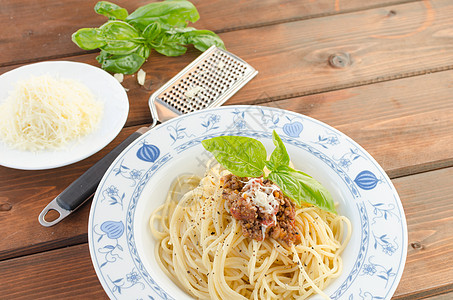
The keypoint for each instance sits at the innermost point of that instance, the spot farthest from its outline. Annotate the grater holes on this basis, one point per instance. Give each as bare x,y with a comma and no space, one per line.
217,73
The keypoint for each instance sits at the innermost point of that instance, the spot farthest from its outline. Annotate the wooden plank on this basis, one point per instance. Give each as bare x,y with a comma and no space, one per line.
60,274
399,108
49,24
428,207
294,59
257,13
427,269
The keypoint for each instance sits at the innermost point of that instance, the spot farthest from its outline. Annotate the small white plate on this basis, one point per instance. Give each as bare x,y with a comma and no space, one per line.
104,87
121,245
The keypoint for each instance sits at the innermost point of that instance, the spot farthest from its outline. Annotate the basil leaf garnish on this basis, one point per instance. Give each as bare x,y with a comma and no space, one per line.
302,187
246,157
242,156
279,156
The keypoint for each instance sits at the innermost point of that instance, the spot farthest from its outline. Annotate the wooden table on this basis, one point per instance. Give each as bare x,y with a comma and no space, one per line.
381,71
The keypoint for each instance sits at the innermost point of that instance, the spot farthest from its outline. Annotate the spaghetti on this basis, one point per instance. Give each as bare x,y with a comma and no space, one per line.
201,247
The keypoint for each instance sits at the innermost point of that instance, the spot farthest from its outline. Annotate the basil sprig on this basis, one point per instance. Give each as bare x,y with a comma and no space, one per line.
126,40
246,157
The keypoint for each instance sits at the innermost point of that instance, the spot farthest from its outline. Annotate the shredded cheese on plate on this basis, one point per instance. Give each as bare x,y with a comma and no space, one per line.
44,112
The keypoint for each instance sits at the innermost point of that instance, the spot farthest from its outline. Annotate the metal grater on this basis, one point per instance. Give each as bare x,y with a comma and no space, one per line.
208,81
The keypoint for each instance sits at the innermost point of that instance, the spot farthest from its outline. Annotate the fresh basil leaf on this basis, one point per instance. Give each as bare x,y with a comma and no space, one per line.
125,64
126,40
88,38
242,156
120,47
175,30
174,13
152,31
119,30
171,50
203,39
111,10
302,188
102,57
120,37
170,45
279,156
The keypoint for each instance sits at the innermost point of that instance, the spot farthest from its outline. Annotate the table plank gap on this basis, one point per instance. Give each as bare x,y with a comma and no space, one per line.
444,292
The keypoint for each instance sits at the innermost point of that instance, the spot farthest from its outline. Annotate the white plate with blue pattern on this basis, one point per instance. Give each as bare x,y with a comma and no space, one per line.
121,245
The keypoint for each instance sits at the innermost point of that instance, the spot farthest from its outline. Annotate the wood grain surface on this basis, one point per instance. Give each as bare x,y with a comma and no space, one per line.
49,23
380,71
49,274
428,270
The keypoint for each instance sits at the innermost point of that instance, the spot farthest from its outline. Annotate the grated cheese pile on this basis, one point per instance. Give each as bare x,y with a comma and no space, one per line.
47,113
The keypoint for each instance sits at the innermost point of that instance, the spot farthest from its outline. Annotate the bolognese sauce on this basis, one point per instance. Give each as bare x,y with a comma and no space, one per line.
261,208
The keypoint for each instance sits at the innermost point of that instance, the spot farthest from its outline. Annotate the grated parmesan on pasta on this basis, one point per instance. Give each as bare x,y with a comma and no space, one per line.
47,113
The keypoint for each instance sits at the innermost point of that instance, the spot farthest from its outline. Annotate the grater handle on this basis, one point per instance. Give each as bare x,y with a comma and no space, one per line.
84,187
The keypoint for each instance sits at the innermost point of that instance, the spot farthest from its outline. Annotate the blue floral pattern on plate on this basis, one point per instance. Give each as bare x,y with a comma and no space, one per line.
374,259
